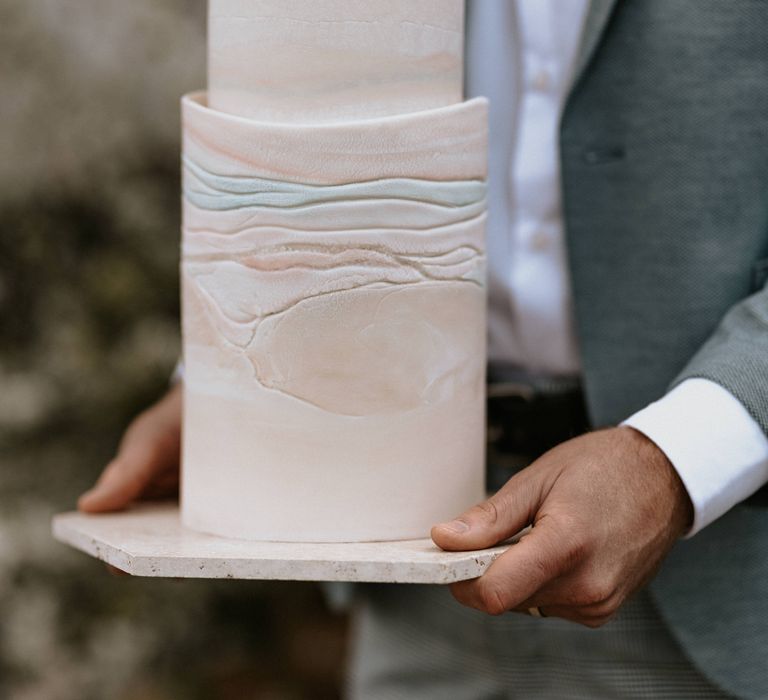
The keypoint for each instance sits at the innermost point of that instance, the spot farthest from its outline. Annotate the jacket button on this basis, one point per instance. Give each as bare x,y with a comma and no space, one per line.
595,156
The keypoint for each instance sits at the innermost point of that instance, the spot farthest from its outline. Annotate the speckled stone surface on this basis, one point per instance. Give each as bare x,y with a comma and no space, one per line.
149,540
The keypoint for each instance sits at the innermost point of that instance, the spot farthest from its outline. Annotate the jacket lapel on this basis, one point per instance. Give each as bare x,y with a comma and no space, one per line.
594,25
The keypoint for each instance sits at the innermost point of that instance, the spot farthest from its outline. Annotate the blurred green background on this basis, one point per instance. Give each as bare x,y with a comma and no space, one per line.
89,231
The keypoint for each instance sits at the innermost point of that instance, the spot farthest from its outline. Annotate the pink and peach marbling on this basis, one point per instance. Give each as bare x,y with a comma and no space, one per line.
333,318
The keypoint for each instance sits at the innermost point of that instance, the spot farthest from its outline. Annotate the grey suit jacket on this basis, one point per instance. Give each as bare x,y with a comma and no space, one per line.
664,149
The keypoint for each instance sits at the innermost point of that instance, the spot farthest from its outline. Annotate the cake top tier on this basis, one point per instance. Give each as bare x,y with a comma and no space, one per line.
321,61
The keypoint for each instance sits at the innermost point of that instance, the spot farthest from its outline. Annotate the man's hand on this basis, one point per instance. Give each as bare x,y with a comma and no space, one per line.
606,509
147,461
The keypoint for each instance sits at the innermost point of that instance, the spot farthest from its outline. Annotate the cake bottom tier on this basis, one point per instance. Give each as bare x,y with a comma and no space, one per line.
253,473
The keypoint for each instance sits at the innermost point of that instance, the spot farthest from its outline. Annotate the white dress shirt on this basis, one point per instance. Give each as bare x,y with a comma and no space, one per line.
520,55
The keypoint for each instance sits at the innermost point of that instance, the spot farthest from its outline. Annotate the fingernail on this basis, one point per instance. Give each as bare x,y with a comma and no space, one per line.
457,526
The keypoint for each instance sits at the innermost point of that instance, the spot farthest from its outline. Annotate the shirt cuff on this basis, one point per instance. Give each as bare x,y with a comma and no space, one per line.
714,444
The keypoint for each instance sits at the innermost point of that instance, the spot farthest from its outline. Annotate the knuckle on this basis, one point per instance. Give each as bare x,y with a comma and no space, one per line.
543,566
596,592
568,522
574,551
488,511
573,542
607,607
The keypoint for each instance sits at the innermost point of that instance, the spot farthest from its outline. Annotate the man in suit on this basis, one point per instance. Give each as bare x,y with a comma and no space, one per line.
650,223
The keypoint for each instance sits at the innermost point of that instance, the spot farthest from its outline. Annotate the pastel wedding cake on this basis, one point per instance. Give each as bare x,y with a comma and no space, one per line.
333,273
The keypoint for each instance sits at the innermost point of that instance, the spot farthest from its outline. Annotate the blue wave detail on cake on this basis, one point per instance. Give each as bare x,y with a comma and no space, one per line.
215,192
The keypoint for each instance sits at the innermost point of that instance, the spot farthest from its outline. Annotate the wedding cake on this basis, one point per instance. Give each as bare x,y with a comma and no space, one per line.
333,273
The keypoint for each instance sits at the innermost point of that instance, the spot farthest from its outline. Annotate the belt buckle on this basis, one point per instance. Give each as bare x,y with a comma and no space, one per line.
505,390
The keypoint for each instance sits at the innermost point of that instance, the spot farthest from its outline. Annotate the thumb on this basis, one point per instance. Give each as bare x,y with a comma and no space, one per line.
123,480
504,514
147,449
150,444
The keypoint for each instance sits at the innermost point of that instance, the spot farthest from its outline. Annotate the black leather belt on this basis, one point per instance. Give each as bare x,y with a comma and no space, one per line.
527,417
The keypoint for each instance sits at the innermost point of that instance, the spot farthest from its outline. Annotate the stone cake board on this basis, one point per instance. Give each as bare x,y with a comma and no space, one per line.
149,540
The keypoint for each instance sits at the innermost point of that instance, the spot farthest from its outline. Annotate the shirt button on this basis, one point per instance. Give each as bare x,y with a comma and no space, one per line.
542,80
540,240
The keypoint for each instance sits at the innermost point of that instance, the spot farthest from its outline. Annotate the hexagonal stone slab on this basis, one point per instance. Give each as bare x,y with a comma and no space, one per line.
149,540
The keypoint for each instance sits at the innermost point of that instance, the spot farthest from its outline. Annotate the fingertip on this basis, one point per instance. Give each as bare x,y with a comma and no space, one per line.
114,571
450,535
100,500
92,502
85,501
465,592
114,490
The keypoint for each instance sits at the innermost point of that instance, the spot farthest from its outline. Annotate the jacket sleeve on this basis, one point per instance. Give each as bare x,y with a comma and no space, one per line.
736,356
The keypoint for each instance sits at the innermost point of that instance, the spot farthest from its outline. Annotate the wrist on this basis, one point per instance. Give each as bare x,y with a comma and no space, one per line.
651,457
